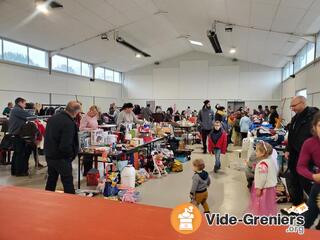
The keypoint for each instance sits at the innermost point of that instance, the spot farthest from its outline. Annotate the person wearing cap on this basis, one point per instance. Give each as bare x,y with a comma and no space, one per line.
205,120
126,116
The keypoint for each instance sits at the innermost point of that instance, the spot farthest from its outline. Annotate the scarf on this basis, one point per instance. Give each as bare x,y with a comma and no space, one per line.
215,135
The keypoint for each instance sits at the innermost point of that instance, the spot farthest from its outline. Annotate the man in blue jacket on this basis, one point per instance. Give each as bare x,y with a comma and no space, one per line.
61,146
205,119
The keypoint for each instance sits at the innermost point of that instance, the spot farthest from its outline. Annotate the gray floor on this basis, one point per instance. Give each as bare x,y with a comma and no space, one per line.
228,192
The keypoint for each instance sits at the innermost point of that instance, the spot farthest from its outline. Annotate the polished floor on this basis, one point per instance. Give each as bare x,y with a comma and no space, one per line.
228,192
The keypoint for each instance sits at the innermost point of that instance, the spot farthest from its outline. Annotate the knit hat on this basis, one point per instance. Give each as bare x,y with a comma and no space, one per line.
206,102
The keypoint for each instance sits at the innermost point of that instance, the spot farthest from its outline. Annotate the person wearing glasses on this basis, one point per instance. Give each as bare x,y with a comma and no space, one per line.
299,132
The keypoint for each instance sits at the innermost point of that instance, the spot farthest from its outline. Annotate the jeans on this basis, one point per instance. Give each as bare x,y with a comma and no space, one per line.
313,212
62,167
217,154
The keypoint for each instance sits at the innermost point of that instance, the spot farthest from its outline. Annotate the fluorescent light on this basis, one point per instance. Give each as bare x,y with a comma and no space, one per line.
196,43
42,7
138,55
233,51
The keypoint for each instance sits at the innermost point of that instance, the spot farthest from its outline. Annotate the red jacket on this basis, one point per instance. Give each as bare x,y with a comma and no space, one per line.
221,144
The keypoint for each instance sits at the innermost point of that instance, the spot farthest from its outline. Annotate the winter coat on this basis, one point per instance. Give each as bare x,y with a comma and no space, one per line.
206,118
221,144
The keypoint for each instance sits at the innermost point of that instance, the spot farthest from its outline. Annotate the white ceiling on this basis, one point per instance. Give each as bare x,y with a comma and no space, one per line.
157,34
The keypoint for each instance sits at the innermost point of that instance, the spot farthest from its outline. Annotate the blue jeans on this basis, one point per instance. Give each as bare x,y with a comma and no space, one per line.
217,153
313,212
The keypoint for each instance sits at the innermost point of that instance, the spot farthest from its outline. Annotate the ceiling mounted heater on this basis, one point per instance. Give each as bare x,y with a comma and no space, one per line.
214,41
130,46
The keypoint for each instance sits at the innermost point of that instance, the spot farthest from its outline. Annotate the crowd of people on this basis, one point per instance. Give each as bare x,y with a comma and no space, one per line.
218,128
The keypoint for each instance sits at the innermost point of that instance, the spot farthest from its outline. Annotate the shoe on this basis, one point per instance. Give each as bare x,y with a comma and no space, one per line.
215,169
205,152
289,211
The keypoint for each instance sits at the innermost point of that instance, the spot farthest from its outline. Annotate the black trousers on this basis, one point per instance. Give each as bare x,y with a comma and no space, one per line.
20,158
87,164
244,135
311,215
204,134
298,184
62,167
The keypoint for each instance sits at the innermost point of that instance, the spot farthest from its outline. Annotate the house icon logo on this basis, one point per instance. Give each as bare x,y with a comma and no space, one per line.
186,218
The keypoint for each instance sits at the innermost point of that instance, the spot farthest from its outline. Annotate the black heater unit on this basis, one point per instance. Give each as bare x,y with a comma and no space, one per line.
130,46
214,41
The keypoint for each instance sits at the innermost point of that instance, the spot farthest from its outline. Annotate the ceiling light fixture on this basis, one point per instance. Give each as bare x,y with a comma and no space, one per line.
196,43
233,50
42,7
214,41
138,55
130,46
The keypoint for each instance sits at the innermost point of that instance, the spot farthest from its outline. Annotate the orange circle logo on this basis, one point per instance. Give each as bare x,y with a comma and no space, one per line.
186,218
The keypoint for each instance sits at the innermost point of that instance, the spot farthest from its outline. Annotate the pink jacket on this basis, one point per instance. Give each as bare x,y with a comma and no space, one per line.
88,123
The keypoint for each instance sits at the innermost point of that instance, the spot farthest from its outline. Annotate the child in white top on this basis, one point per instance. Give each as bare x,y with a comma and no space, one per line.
263,193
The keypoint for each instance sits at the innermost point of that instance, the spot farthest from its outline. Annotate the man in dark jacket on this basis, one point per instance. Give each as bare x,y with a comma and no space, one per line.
61,146
205,119
299,131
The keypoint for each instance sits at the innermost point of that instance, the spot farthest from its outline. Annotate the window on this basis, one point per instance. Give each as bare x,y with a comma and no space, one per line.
302,92
318,45
117,77
109,75
99,73
0,48
15,52
287,70
310,52
38,58
86,70
74,66
59,63
300,59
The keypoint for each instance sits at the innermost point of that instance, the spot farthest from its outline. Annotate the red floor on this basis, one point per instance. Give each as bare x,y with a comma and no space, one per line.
36,214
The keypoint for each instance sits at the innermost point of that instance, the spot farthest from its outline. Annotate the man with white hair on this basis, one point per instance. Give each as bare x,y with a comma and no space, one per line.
299,132
61,146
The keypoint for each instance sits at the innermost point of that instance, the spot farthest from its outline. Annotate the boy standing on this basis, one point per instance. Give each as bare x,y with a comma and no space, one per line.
200,182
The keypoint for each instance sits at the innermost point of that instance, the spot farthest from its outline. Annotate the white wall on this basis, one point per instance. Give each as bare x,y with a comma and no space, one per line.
36,85
306,79
189,79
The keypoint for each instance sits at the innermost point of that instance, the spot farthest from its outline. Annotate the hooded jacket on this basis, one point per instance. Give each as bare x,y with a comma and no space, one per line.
206,118
222,143
200,182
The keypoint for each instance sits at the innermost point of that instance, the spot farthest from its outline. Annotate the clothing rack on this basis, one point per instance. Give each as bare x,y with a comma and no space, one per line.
53,105
38,117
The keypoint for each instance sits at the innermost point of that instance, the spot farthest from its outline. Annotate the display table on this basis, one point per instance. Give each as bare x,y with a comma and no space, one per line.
107,127
116,156
38,214
186,129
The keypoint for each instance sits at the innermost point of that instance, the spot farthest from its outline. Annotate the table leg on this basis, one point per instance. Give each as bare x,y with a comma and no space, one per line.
96,162
79,172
